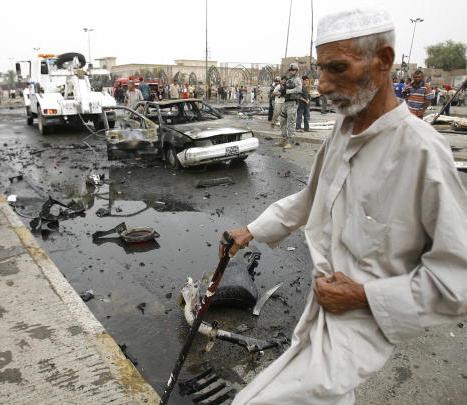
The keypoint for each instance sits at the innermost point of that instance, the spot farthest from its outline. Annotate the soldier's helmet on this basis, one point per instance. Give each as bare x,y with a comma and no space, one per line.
293,66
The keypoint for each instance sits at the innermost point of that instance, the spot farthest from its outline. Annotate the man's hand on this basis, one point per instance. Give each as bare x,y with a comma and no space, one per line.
241,238
338,293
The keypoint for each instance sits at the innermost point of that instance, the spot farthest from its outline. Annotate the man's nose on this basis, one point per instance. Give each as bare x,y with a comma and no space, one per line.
325,85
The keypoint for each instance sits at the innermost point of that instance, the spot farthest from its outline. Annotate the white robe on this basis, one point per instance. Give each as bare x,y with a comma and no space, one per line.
387,208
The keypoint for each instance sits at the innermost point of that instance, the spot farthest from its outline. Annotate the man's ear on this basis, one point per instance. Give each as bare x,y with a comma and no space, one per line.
385,56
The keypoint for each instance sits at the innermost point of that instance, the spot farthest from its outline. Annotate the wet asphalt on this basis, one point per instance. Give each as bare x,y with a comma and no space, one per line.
137,289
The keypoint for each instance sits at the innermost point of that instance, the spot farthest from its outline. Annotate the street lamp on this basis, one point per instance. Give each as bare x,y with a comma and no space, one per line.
414,21
89,30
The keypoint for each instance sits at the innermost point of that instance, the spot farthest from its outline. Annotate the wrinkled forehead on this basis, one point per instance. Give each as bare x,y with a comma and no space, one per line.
338,51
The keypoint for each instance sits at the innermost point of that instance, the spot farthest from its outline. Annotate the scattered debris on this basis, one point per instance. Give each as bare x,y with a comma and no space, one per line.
124,349
87,295
95,179
460,325
131,235
259,305
208,388
103,212
11,198
220,181
291,248
141,307
16,178
190,294
242,328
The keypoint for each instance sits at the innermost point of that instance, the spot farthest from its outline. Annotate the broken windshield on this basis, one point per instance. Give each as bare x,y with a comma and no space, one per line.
187,111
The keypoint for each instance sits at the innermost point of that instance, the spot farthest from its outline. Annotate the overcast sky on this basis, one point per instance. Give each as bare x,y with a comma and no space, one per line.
238,30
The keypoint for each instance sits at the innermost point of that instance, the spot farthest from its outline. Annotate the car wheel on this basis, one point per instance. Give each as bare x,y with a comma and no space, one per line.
111,124
171,158
44,129
30,118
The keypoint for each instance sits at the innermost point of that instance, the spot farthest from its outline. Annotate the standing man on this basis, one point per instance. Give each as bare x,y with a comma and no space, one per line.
288,115
278,100
144,89
399,88
132,95
418,95
385,218
271,98
174,90
303,107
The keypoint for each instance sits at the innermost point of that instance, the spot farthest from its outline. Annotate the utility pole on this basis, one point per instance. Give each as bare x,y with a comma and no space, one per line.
288,30
206,59
311,40
414,21
89,30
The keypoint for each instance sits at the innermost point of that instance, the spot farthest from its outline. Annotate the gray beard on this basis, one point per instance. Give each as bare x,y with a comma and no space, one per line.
356,103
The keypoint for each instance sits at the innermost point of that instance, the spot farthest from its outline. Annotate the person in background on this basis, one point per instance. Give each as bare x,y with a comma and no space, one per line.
133,95
144,89
174,91
303,107
398,87
278,100
417,95
271,97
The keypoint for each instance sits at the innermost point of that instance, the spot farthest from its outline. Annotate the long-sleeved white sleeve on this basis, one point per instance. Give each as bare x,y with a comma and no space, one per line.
435,291
283,217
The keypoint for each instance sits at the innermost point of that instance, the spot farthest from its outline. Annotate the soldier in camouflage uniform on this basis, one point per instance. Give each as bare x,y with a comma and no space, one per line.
288,116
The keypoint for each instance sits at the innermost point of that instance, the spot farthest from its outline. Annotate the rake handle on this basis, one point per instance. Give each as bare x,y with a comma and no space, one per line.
227,243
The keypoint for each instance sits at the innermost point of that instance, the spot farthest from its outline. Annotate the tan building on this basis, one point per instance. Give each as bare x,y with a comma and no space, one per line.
194,71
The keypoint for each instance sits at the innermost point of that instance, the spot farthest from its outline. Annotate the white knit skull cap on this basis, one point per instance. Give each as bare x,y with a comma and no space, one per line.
353,23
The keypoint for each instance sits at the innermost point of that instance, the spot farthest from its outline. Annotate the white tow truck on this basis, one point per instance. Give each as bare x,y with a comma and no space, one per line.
59,92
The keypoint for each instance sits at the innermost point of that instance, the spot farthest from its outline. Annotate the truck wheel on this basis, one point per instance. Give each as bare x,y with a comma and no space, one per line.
29,117
43,128
171,158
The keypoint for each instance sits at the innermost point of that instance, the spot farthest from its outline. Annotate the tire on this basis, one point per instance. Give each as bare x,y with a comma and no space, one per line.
111,124
68,57
43,128
29,117
171,158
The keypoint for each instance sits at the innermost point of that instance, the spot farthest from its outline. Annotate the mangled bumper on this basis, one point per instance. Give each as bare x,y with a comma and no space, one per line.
208,154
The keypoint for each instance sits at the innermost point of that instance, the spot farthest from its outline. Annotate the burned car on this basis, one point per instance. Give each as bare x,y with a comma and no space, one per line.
184,133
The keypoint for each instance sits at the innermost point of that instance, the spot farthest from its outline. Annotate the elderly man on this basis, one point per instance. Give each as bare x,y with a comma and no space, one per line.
385,218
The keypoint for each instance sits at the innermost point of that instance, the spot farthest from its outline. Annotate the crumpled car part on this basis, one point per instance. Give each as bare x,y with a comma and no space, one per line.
190,294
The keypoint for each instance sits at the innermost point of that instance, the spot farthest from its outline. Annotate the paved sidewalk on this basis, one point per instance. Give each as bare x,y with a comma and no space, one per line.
52,349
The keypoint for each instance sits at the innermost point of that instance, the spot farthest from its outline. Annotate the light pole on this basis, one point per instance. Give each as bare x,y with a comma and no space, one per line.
89,30
206,60
288,31
414,21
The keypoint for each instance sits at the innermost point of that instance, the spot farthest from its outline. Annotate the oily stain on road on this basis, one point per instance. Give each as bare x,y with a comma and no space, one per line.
189,221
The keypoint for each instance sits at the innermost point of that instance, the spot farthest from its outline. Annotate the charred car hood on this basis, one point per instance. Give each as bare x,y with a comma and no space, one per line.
200,130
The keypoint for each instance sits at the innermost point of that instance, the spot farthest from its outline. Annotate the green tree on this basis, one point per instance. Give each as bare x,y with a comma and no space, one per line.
446,55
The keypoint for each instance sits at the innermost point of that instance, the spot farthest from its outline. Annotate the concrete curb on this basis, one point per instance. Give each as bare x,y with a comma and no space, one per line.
135,388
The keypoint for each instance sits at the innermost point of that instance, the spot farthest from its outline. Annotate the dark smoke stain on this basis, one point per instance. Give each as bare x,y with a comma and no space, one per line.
22,344
8,269
11,375
36,331
5,358
11,252
75,330
102,378
402,374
